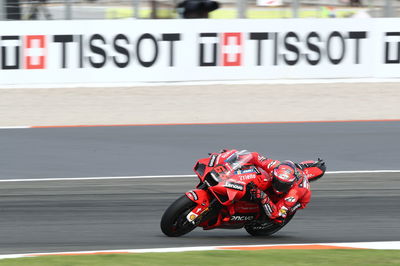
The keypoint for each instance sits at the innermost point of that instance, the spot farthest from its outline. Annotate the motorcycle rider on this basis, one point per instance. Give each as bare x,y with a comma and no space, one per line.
287,188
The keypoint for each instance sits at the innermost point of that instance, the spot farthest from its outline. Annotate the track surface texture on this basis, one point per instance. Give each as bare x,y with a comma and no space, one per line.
163,150
121,214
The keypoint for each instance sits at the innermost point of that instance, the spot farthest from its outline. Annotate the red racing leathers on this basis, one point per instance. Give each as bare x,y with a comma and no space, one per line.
277,206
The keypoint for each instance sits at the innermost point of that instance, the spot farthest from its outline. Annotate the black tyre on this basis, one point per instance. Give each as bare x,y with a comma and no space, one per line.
266,228
174,222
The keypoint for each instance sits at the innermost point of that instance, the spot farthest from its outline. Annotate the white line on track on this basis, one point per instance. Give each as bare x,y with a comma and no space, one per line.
388,245
93,178
164,176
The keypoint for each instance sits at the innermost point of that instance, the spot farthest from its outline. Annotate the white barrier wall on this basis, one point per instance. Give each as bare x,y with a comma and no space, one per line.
186,50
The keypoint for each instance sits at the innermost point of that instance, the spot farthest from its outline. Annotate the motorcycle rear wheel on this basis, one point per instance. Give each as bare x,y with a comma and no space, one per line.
174,222
267,228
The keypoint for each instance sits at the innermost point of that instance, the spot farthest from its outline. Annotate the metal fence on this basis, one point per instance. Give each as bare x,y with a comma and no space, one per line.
228,9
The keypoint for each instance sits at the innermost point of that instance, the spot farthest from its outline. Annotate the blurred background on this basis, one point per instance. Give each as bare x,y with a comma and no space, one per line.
175,9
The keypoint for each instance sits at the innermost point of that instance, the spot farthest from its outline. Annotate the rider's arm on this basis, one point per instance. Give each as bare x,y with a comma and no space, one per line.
296,198
279,210
267,164
285,205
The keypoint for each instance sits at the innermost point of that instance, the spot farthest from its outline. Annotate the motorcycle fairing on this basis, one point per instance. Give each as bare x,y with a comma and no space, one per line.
226,176
202,199
220,165
233,216
228,191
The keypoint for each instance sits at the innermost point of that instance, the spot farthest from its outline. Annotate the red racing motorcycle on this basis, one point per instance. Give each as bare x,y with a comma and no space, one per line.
222,199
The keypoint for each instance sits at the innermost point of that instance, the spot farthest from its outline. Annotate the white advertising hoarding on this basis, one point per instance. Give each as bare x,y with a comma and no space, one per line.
386,48
110,51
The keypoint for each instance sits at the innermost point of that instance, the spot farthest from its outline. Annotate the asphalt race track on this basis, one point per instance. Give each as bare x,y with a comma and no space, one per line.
164,150
122,214
45,216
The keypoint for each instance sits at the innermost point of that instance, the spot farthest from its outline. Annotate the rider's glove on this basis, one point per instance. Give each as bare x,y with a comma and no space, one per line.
257,194
262,197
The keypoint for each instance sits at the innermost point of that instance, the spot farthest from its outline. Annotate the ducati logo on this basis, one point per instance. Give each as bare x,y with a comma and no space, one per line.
242,218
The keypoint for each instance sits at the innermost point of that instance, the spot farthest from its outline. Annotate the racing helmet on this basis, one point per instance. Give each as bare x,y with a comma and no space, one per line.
283,177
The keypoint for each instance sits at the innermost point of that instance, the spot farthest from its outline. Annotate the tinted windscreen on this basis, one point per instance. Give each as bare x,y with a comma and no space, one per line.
200,169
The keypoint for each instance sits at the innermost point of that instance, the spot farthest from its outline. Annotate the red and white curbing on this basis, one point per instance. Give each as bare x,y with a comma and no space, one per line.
387,245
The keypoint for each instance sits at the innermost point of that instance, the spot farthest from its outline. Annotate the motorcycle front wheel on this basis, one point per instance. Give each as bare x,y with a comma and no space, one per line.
174,222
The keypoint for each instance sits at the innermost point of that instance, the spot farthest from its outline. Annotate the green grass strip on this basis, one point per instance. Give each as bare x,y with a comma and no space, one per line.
208,258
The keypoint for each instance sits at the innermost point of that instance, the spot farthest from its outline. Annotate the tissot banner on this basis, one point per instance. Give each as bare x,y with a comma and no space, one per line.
110,51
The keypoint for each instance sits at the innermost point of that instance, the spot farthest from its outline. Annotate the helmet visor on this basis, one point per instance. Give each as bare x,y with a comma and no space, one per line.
281,186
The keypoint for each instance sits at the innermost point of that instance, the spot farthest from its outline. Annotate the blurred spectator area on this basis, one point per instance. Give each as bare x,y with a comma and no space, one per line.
145,9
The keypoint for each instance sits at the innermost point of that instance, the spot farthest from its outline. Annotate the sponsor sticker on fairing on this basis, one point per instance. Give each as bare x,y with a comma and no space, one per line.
234,186
247,177
212,160
191,217
246,171
242,218
193,195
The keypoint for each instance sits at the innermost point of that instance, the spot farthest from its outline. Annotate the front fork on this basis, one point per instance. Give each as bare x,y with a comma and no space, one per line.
202,199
